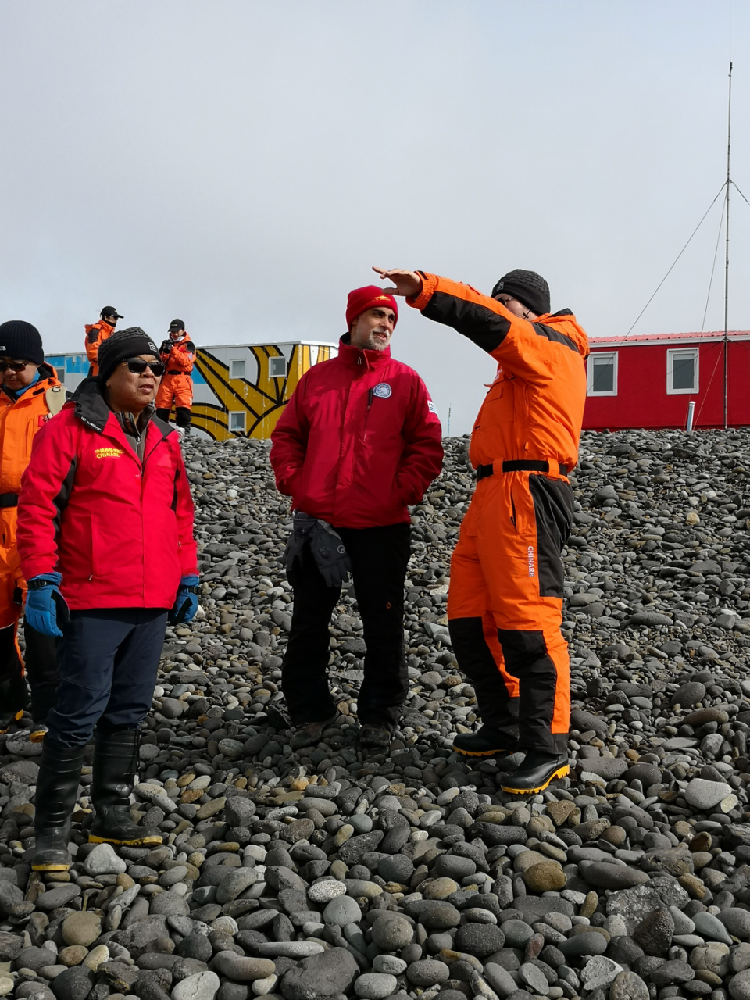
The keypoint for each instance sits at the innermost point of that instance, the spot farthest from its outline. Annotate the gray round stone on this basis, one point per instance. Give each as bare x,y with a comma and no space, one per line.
375,986
341,911
427,972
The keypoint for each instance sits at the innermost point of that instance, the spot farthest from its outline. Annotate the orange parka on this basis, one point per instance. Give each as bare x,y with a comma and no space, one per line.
96,333
534,408
20,420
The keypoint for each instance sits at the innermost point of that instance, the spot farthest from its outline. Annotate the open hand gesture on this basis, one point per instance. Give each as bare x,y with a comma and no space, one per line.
407,283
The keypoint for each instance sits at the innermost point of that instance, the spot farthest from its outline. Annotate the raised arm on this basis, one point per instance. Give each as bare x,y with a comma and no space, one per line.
527,349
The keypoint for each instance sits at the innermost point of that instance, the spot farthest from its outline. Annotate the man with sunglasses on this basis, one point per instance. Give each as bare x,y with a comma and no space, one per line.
176,389
506,588
97,333
30,395
106,542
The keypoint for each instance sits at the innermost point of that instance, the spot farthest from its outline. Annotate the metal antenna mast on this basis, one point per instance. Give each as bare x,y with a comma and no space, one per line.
726,254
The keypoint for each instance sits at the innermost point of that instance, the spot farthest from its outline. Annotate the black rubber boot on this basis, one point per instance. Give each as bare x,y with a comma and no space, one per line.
14,697
485,742
536,772
163,415
112,780
56,794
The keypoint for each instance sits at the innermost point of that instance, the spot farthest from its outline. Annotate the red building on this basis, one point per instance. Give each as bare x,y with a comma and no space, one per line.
650,381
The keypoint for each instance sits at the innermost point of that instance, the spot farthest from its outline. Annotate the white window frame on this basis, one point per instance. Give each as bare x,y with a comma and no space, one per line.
232,369
237,413
671,352
590,391
271,366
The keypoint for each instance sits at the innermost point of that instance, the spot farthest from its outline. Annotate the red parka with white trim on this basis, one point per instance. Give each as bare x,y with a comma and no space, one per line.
358,441
119,530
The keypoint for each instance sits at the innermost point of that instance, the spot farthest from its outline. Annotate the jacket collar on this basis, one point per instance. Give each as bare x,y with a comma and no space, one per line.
356,357
92,410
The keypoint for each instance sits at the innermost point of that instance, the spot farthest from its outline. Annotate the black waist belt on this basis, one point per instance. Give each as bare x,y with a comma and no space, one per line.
174,371
520,465
8,499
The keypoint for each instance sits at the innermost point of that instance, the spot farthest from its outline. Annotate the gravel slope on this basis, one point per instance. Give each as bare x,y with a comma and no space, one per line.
325,874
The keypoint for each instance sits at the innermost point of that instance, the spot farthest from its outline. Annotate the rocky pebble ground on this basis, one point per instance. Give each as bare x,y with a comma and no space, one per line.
326,873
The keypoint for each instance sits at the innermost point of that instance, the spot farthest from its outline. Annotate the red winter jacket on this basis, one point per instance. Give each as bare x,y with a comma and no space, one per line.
358,441
120,531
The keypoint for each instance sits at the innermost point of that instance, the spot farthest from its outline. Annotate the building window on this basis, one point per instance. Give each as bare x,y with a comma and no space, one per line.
237,369
237,421
60,372
682,370
277,367
602,374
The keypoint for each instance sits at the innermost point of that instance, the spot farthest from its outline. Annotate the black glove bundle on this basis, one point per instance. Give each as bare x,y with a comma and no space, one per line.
325,545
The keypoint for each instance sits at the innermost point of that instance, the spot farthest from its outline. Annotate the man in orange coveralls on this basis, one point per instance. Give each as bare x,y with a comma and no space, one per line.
508,558
29,396
96,333
176,389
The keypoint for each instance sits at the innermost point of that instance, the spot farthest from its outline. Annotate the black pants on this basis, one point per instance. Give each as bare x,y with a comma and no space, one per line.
182,415
379,558
107,663
41,671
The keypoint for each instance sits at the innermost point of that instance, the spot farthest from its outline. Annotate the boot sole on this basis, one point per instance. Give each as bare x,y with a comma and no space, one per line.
483,753
38,736
51,867
561,772
16,718
137,842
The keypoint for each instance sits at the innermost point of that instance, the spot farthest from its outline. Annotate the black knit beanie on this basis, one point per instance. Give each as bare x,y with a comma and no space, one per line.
122,345
528,287
21,341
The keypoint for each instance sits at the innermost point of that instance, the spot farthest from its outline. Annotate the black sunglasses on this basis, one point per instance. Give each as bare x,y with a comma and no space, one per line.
138,367
15,366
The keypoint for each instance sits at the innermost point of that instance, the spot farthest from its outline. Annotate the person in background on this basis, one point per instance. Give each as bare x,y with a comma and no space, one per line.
97,333
105,537
29,397
508,558
356,444
178,356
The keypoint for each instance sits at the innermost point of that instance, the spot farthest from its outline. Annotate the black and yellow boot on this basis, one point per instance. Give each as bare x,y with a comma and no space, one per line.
112,781
536,772
485,742
56,795
14,697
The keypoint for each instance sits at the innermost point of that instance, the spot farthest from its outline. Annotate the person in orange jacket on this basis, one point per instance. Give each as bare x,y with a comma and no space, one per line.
98,332
506,585
176,389
29,396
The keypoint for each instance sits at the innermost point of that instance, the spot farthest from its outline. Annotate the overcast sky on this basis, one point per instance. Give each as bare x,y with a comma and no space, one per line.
241,165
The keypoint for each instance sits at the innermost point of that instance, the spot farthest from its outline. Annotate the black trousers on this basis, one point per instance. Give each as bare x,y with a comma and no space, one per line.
379,558
107,660
41,670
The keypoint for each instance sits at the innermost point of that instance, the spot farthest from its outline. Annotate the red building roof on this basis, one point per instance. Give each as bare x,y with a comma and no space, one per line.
651,338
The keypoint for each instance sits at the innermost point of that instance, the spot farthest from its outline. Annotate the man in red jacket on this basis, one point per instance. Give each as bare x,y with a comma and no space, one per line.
357,443
105,537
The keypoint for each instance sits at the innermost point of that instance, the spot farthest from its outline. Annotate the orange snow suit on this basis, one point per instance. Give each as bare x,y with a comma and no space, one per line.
176,387
95,334
506,586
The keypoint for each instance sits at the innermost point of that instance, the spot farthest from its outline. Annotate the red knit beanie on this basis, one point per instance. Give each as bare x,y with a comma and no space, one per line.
362,299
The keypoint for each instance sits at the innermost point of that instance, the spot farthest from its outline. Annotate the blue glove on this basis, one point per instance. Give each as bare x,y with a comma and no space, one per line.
186,602
45,608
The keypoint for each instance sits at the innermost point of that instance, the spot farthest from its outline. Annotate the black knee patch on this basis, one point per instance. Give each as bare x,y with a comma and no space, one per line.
182,416
163,415
521,650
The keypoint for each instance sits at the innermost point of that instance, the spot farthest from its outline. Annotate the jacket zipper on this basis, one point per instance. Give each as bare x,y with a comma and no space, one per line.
370,397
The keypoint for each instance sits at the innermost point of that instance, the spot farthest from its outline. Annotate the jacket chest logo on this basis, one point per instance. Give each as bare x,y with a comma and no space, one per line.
382,390
108,452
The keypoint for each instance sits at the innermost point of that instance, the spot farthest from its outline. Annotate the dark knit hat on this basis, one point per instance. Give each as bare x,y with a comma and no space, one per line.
21,341
528,287
123,345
